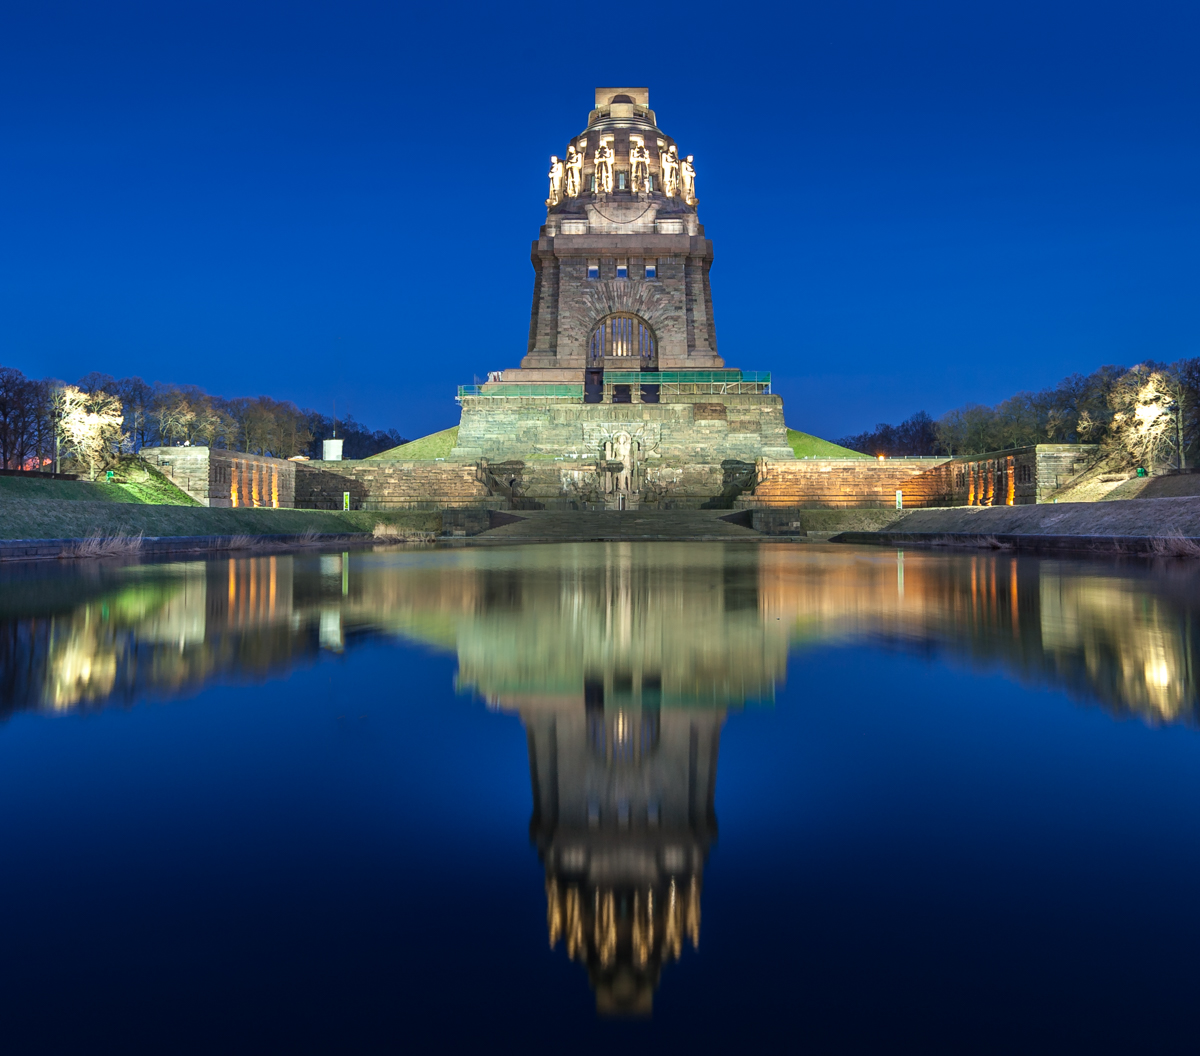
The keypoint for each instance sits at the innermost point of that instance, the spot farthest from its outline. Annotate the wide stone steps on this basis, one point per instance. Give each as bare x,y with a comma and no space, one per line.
631,525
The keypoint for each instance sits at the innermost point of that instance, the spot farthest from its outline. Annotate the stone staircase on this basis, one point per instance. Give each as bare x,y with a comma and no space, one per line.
544,526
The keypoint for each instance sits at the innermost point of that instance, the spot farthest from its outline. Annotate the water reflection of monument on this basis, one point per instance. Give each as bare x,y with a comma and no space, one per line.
622,679
622,661
623,818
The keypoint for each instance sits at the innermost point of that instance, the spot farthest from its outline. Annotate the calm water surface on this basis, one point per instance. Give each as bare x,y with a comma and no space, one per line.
689,796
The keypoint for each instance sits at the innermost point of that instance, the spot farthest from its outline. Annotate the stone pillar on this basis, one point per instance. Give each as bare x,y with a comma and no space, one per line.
708,308
697,316
544,325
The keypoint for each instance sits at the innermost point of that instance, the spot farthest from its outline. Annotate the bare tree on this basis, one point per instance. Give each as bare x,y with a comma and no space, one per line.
89,426
1143,420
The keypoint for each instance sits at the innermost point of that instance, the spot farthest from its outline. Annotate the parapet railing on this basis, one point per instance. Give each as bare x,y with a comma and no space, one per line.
694,382
522,391
669,382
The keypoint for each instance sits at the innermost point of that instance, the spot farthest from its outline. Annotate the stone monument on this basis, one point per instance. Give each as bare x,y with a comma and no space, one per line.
621,379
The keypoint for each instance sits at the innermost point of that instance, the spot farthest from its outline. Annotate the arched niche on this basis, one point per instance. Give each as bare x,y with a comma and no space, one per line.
626,339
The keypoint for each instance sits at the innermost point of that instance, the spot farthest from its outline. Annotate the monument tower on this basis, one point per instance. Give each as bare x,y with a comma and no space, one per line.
622,264
621,377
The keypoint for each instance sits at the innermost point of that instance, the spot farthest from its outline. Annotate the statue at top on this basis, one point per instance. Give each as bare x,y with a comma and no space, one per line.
639,167
574,168
604,169
669,166
556,179
688,172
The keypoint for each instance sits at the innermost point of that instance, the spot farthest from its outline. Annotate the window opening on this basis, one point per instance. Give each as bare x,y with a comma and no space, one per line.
652,271
624,336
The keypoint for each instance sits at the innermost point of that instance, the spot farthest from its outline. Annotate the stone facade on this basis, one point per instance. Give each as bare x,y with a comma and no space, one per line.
835,483
216,477
380,484
689,428
592,482
1021,476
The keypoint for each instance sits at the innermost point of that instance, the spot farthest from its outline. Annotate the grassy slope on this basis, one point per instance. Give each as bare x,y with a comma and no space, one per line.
59,519
438,445
806,446
435,445
135,483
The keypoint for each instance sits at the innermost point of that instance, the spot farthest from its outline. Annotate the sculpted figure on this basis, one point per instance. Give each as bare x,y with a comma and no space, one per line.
669,163
622,448
556,179
639,165
688,171
574,172
604,169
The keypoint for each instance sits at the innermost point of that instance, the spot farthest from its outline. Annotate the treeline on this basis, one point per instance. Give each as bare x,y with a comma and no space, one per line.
39,418
1146,415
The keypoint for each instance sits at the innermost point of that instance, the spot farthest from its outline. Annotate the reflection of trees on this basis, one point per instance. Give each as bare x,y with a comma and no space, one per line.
1122,636
162,630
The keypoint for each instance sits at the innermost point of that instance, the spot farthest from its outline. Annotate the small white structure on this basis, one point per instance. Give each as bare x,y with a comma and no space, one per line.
331,450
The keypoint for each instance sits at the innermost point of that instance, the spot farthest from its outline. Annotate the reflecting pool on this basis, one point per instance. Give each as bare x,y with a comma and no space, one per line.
368,801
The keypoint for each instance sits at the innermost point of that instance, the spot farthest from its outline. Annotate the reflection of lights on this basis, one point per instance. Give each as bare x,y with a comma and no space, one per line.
1158,674
622,728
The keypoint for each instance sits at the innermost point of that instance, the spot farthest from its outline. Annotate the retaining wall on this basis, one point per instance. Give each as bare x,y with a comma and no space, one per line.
834,483
219,478
380,484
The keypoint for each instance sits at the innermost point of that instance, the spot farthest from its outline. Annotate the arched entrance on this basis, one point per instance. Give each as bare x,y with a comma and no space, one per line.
624,336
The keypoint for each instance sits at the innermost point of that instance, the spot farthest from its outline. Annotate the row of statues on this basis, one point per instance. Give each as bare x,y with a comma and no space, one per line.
677,176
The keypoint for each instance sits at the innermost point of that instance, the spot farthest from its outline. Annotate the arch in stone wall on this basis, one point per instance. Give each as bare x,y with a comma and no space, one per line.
624,336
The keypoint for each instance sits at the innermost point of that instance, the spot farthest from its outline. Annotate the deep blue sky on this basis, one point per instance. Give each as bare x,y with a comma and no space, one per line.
914,205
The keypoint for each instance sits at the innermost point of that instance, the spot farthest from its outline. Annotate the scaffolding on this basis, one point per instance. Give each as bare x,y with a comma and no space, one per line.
668,382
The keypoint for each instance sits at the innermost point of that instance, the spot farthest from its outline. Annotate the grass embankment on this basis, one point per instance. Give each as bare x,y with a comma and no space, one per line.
438,445
804,445
141,499
435,445
77,518
134,482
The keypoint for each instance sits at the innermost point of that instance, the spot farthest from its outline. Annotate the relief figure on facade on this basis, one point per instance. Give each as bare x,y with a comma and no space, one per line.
574,171
688,173
669,164
604,169
556,180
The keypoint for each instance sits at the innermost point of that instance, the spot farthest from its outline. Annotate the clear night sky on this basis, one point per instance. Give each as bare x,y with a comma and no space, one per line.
914,205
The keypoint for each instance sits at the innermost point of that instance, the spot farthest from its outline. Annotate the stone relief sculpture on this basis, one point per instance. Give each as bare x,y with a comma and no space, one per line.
688,172
574,167
604,169
669,164
639,165
622,448
556,180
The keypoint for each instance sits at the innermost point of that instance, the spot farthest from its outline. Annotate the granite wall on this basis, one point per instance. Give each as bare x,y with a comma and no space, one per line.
692,429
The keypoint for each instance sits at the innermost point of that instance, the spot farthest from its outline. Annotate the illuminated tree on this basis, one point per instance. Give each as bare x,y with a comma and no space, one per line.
89,426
